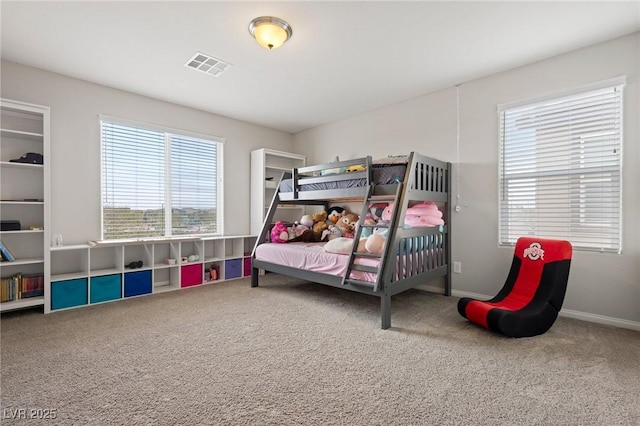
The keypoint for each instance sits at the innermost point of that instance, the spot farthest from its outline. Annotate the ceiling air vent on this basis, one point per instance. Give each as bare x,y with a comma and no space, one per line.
207,64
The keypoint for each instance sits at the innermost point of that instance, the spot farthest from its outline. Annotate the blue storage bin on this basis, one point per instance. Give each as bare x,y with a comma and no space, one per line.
232,269
104,288
137,283
69,293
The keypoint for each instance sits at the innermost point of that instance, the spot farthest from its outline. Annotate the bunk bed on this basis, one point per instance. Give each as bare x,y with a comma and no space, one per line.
410,257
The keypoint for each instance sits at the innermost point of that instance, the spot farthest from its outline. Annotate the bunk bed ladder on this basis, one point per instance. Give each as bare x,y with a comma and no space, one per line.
351,265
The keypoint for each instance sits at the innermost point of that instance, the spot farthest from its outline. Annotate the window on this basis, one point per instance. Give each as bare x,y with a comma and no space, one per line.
158,183
560,168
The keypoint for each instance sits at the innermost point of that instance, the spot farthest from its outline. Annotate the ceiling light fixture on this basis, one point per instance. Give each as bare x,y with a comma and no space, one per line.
270,32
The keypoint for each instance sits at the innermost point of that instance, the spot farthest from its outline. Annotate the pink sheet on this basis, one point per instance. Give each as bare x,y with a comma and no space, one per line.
311,257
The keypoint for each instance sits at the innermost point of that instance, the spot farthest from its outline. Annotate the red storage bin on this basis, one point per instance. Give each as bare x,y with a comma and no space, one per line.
247,266
190,275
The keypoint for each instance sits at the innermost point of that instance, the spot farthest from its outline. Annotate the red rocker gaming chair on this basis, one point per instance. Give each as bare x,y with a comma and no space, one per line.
530,300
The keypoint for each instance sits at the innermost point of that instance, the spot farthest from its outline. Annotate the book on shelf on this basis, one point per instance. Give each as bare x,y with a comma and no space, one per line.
6,254
21,286
31,285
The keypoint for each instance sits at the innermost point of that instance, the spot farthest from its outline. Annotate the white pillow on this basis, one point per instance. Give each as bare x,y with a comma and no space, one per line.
340,245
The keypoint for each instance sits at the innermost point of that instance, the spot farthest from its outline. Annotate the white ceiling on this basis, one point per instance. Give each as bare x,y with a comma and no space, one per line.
344,58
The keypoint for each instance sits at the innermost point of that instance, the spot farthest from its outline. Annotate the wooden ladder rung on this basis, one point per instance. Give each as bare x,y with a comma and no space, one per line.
364,268
359,282
371,255
377,225
382,198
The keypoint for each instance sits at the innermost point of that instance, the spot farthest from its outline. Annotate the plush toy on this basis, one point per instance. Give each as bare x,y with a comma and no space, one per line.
279,233
348,223
331,233
334,215
356,168
308,236
296,230
306,220
319,221
369,220
376,209
334,171
424,214
340,245
419,215
374,243
373,217
386,213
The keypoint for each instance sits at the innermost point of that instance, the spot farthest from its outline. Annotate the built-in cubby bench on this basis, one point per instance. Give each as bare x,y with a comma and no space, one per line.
88,274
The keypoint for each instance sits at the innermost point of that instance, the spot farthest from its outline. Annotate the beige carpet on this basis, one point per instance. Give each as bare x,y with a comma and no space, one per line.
297,353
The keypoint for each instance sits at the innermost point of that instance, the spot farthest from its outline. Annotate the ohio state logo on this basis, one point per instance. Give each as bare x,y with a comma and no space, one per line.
534,252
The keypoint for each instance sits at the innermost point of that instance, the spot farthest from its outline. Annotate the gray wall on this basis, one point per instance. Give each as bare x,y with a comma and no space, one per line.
75,144
602,287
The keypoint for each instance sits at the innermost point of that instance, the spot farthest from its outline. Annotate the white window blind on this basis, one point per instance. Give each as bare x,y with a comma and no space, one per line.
560,169
157,183
193,190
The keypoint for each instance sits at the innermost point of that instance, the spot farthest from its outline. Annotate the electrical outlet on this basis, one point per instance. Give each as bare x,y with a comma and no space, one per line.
457,267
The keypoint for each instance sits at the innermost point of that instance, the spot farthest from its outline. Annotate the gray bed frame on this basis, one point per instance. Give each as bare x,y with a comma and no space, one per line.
423,254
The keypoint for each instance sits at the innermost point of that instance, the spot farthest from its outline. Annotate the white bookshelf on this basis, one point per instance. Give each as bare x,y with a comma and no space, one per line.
24,194
267,166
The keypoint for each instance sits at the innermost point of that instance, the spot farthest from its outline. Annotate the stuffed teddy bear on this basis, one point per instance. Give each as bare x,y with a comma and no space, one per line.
319,221
279,233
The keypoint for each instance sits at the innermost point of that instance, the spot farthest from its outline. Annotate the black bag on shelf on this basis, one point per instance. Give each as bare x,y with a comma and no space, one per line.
10,225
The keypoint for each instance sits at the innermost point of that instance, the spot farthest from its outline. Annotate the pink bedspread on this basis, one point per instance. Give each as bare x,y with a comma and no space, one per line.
311,257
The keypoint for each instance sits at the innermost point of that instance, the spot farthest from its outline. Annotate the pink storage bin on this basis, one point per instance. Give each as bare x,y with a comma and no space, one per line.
190,275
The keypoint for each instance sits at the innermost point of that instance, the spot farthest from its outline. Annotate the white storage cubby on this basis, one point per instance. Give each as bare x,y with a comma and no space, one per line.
214,250
189,249
267,166
162,252
69,262
233,248
24,196
134,253
166,278
105,260
105,267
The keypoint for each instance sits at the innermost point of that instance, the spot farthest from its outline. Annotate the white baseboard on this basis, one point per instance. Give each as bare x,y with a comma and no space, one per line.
601,319
584,316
